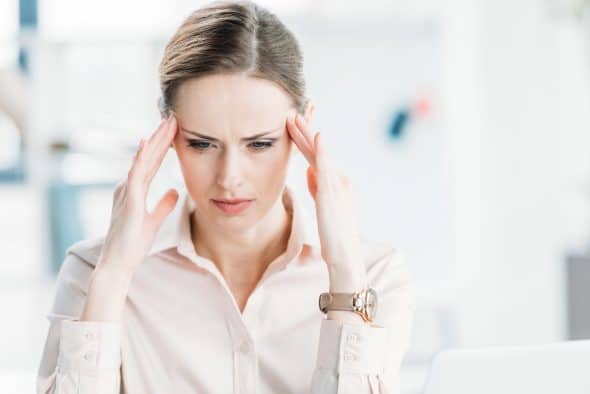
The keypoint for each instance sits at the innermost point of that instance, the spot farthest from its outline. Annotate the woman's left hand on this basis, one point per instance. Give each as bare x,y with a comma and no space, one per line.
335,210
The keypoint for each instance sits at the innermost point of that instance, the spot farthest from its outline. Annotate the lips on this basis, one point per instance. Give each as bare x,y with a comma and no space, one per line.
234,201
232,208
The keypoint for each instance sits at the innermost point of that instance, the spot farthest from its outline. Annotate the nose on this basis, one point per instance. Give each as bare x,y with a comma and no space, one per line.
229,176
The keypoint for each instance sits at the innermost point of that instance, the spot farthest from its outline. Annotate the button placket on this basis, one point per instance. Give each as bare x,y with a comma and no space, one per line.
245,364
245,348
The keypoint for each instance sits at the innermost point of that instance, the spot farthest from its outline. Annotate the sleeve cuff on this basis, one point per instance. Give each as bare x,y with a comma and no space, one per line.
351,348
89,345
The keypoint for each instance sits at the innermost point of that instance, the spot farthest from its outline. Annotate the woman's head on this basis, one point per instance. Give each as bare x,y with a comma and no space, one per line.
232,37
232,71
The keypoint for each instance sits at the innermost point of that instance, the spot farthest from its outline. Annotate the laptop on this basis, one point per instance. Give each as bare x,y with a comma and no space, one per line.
554,368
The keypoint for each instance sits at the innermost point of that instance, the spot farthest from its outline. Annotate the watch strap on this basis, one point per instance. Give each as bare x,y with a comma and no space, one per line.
341,301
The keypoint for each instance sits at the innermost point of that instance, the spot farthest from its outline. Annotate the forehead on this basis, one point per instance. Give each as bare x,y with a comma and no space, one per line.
231,105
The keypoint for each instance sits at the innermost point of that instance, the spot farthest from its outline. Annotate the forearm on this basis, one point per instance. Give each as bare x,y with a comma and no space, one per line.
106,294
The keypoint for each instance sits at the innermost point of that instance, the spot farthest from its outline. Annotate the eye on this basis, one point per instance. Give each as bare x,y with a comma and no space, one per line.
198,145
262,145
202,146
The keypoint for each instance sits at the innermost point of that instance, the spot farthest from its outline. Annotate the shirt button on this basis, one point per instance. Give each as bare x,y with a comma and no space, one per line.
349,357
89,356
89,336
351,337
245,347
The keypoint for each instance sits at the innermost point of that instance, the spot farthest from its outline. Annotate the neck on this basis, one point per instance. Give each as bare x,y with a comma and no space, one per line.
243,257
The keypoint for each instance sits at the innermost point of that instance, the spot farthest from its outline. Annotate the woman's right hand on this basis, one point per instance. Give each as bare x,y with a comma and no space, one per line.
132,229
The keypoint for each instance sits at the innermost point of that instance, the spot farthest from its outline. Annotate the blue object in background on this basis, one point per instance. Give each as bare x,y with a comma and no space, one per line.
65,225
27,21
399,123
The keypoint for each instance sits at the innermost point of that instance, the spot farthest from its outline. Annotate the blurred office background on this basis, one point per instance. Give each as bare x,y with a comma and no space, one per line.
464,125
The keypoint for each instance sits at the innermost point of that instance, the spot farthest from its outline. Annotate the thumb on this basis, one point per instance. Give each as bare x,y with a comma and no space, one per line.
164,207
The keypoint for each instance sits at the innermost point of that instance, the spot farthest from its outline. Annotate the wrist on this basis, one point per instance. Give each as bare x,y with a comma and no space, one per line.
346,278
345,317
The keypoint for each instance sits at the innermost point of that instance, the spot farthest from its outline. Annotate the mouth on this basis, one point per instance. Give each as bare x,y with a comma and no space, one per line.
232,206
234,201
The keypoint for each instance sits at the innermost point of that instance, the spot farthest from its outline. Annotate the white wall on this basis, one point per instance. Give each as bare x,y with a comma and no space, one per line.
524,137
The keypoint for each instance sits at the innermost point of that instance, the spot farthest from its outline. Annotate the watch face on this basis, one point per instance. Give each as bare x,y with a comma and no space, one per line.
371,303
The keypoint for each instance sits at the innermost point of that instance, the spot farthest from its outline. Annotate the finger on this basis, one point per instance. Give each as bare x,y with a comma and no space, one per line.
136,165
119,193
301,142
160,127
312,182
165,137
297,136
160,152
321,152
323,170
305,130
138,149
158,136
137,176
163,208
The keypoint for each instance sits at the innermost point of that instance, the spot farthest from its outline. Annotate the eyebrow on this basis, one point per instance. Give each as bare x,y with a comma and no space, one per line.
251,138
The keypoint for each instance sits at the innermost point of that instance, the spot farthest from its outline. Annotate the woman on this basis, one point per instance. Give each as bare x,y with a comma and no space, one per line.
206,296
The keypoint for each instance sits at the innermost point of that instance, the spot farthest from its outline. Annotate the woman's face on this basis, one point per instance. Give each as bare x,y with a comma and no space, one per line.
226,161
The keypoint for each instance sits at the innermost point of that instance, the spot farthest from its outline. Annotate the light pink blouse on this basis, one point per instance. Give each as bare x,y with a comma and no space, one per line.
182,331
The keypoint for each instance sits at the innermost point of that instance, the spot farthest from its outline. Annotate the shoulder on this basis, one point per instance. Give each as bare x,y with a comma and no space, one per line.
87,249
79,263
74,278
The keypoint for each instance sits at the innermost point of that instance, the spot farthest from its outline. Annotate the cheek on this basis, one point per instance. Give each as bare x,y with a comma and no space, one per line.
197,169
273,165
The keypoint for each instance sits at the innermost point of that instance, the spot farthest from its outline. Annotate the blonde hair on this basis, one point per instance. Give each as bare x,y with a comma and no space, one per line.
232,37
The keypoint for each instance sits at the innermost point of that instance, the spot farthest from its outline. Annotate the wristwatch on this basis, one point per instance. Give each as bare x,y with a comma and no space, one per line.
363,302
